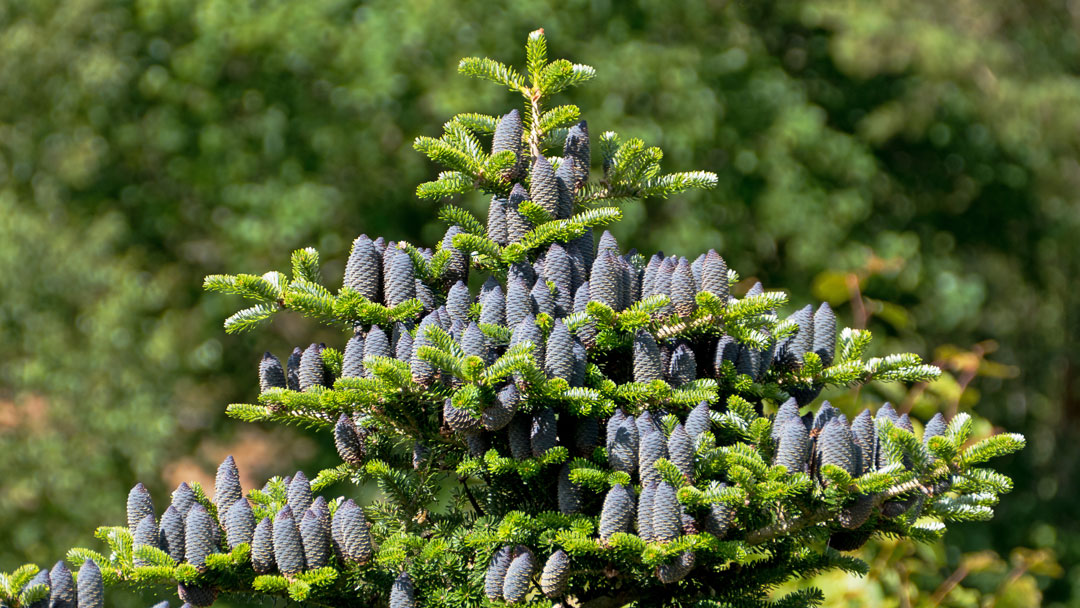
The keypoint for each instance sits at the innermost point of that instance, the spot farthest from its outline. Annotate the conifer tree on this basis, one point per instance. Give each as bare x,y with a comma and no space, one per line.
717,478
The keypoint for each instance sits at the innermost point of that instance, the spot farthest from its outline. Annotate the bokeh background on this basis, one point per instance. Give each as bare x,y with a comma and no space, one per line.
914,163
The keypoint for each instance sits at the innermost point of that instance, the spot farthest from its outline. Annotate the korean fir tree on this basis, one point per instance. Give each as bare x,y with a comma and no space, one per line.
549,420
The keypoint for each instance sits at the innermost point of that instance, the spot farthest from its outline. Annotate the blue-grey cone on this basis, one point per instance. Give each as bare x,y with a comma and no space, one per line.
585,245
676,569
239,523
376,344
576,147
498,415
527,330
648,278
352,361
681,451
904,422
698,420
629,283
683,289
618,511
662,281
39,579
496,221
792,349
139,505
787,411
666,514
227,488
380,245
388,255
612,426
355,535
425,295
564,181
727,349
756,289
363,271
587,331
586,435
288,546
402,592
862,431
644,511
458,300
623,450
824,415
647,422
825,334
559,353
400,284
580,355
934,428
457,267
493,305
568,492
171,533
646,357
543,434
423,372
559,270
196,595
718,518
517,225
519,577
299,493
653,447
315,536
476,442
507,137
458,419
292,370
262,547
496,572
556,574
714,275
146,533
198,536
683,366
271,373
856,514
541,298
750,362
695,268
604,279
794,447
350,446
61,587
887,411
837,447
91,589
607,243
474,343
518,434
404,346
312,372
518,301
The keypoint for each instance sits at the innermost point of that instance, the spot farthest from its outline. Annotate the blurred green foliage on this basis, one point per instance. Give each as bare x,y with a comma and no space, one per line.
914,163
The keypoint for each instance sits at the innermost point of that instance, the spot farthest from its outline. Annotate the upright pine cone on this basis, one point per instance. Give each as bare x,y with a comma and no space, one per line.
714,275
862,430
543,435
496,572
312,372
517,225
227,488
698,421
496,221
543,189
196,595
271,374
61,587
569,493
683,289
457,268
556,574
644,511
198,536
171,533
623,448
315,536
507,137
677,569
352,361
646,357
794,446
825,333
681,451
40,579
403,593
239,523
262,547
934,428
458,301
618,511
666,514
347,440
837,446
559,356
719,518
653,448
299,493
363,270
604,280
519,577
91,589
399,283
139,505
564,180
146,533
288,547
683,366
576,147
